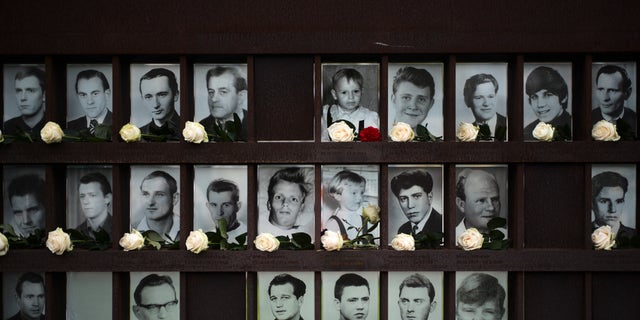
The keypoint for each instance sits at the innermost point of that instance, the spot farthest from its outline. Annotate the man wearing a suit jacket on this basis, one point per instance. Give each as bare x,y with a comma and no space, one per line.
94,94
413,190
480,95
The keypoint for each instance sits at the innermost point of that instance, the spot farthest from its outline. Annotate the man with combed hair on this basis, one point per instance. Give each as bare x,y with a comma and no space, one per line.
414,191
30,97
26,194
351,297
613,89
480,296
159,92
156,298
286,296
95,196
480,96
94,94
548,95
412,96
608,190
159,191
30,297
223,202
227,93
416,298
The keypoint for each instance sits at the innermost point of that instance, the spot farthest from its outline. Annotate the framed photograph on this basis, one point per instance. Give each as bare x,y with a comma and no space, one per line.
24,91
24,198
356,296
613,96
90,199
219,91
346,190
350,91
483,294
286,198
415,295
220,192
415,199
481,194
481,96
89,96
151,293
547,96
613,198
30,302
286,295
154,199
416,95
155,99
89,295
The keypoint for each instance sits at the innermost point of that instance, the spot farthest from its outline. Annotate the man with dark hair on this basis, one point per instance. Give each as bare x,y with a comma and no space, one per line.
414,191
480,95
478,198
549,99
480,296
26,197
223,202
351,296
160,192
286,295
416,298
608,190
95,195
30,297
94,93
159,91
156,298
30,96
412,95
227,93
613,88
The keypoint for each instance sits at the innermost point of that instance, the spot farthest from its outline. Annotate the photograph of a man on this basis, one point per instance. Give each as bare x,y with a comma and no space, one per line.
286,296
155,100
416,96
412,189
25,114
480,197
350,296
609,202
481,295
415,295
25,208
93,94
613,96
226,94
155,296
90,200
28,295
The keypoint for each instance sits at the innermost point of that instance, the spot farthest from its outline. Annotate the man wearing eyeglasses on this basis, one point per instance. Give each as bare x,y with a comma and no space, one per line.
156,298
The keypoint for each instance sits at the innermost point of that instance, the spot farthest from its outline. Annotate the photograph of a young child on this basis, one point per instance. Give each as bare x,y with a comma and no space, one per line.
481,295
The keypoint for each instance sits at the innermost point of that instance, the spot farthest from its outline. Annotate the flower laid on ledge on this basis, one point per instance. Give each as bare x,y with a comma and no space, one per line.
59,242
268,242
35,240
470,239
136,240
331,240
401,132
369,134
604,130
20,136
194,132
603,238
52,133
363,239
197,241
403,242
131,133
468,132
345,131
546,132
494,239
4,245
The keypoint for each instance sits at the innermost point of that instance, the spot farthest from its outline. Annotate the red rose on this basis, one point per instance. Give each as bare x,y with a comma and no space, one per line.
369,134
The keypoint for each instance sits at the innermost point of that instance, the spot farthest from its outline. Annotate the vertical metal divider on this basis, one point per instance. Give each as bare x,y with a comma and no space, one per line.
252,219
586,124
186,176
317,208
517,224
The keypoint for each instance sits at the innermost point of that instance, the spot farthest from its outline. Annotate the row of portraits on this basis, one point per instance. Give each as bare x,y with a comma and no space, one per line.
349,92
281,295
286,197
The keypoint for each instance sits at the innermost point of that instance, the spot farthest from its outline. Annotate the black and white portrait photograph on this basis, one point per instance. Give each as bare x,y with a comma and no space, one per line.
89,98
24,92
613,198
154,295
89,295
23,295
350,92
481,96
286,198
415,96
547,96
415,199
155,99
346,191
481,195
415,295
90,199
220,91
154,200
612,95
350,295
24,198
220,193
286,295
481,295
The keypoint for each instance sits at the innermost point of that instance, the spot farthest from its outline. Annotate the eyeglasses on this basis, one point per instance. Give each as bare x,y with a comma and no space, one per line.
155,308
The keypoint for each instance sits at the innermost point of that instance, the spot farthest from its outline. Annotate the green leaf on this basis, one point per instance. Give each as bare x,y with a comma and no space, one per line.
154,244
153,236
496,235
222,228
496,222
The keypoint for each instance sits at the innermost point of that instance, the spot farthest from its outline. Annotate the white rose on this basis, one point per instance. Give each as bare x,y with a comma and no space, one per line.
467,132
604,130
266,242
543,131
1,137
132,241
331,240
59,241
4,244
51,133
401,132
130,133
197,241
194,132
371,213
341,132
470,239
603,238
403,242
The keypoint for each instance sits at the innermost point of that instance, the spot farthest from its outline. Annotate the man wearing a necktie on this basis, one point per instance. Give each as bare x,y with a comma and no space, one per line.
94,94
413,190
480,95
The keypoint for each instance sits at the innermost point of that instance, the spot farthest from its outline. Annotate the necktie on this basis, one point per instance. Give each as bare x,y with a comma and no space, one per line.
415,230
92,126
